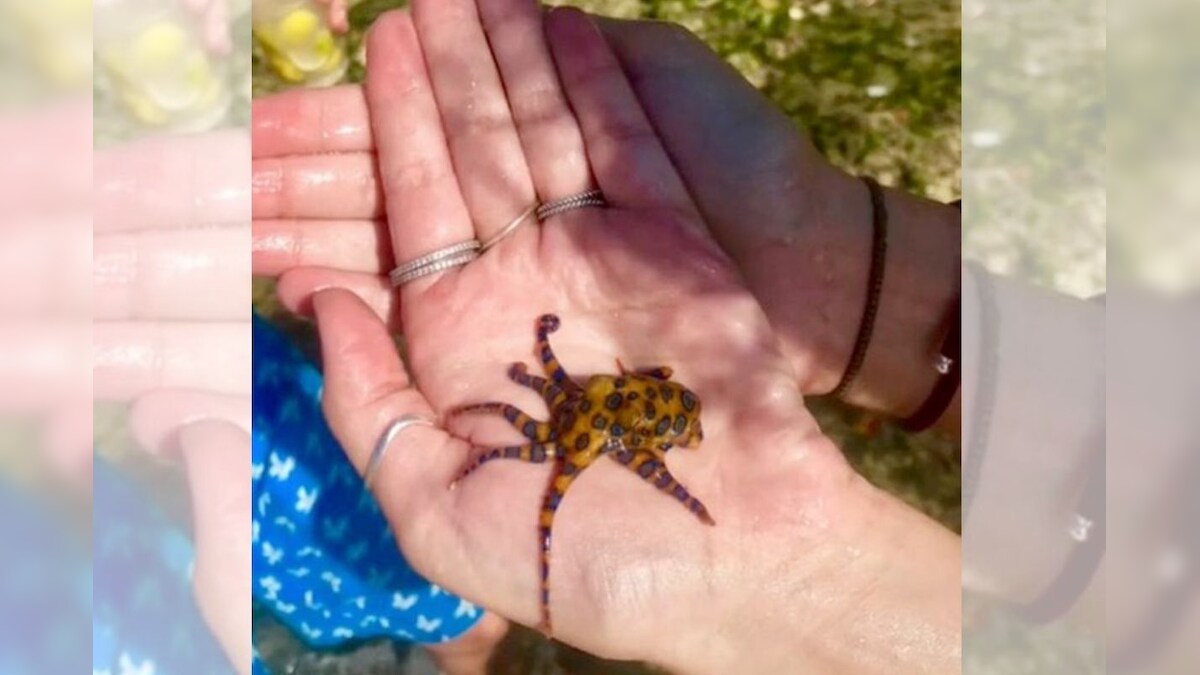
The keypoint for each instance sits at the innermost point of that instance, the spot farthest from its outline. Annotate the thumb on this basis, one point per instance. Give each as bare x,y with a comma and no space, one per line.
218,464
366,390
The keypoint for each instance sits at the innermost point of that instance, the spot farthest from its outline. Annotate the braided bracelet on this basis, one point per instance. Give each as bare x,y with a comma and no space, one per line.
866,328
949,367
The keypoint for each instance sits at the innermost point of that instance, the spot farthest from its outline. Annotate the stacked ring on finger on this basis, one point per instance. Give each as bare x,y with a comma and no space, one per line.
460,254
579,201
439,261
545,210
507,230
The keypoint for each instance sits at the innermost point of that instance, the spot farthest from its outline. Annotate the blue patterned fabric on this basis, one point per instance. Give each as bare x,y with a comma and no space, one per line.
325,561
145,620
45,586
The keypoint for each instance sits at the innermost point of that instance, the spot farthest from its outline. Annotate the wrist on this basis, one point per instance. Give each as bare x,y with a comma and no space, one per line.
922,271
871,586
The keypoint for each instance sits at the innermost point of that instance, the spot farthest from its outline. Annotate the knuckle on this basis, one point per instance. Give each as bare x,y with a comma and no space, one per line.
417,175
625,132
541,106
462,124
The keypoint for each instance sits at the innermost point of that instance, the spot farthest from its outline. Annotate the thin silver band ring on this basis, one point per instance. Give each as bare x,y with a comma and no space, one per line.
437,261
508,229
462,253
579,201
456,260
385,440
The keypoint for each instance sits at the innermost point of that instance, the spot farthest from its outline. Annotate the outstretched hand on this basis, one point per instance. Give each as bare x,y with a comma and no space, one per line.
797,228
468,136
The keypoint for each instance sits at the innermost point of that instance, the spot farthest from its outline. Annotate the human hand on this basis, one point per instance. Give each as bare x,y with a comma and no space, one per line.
172,338
797,228
214,446
633,575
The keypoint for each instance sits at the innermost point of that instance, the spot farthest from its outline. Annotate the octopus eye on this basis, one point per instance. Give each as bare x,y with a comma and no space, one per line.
680,424
689,401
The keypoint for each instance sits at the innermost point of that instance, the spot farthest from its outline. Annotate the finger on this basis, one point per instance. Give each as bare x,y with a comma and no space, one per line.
130,359
218,468
550,135
338,18
45,267
317,186
48,160
484,144
738,173
297,287
350,245
42,365
312,121
69,438
156,419
173,182
366,388
216,28
424,204
185,274
629,161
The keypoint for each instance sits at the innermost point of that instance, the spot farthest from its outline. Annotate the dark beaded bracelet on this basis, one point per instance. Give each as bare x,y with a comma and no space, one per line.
949,367
1088,531
949,371
866,328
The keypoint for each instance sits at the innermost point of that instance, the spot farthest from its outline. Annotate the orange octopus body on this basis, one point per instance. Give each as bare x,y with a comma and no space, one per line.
633,417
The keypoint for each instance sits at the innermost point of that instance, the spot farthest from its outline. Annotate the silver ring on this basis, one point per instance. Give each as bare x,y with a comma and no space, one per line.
385,440
438,261
579,201
508,229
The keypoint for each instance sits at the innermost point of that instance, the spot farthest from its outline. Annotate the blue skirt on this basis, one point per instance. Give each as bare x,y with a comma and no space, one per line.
325,562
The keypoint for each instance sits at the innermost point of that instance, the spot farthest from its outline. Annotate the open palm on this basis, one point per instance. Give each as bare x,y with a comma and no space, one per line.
472,126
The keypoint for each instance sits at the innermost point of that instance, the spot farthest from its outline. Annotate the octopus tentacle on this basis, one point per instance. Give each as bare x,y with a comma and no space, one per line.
534,453
553,394
657,372
652,470
565,473
529,427
547,324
